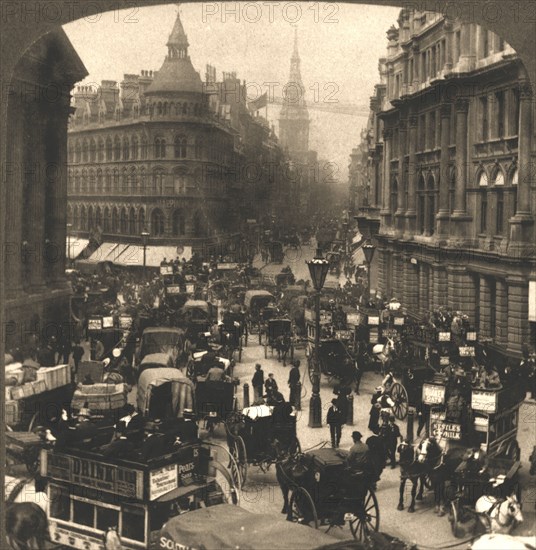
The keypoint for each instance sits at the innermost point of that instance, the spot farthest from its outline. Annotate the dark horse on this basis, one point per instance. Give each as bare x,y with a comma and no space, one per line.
282,346
443,465
414,471
290,471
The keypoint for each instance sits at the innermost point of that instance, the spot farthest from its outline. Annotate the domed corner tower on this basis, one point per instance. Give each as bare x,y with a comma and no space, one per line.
177,77
294,117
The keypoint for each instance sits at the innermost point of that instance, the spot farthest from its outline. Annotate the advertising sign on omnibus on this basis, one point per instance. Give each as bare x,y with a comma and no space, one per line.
433,394
467,351
444,337
163,481
484,401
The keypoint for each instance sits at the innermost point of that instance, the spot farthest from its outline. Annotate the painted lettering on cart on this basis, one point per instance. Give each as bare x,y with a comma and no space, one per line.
186,470
172,545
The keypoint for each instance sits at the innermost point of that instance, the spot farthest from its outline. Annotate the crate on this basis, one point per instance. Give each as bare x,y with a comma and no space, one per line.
55,377
39,386
12,413
101,397
15,370
20,392
8,393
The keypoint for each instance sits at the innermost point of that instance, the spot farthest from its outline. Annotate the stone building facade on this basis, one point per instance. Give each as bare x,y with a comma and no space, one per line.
166,153
35,179
454,205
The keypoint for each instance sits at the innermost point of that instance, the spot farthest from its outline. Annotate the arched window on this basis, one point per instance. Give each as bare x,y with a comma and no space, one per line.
117,148
76,181
198,148
143,147
84,181
126,149
180,147
69,214
431,196
452,190
77,151
109,149
85,151
157,222
106,220
143,180
90,218
158,181
99,187
179,182
198,225
76,219
178,223
133,184
498,183
98,218
92,150
107,180
394,195
132,221
124,181
483,186
421,205
83,218
165,109
160,148
123,223
141,220
70,153
116,185
115,221
100,150
184,108
159,109
134,147
92,180
513,183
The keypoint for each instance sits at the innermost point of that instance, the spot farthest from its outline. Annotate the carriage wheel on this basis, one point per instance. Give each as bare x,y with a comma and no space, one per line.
240,470
33,422
302,508
368,517
454,518
295,447
400,396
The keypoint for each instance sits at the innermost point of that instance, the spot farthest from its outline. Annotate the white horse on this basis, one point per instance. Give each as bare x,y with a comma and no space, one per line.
500,542
111,539
24,490
384,353
499,515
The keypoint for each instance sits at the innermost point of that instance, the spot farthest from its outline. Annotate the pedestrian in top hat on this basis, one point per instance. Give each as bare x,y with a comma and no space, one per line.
335,420
270,385
294,381
258,383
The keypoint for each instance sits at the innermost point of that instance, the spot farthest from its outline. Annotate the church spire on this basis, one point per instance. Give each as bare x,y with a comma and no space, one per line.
177,42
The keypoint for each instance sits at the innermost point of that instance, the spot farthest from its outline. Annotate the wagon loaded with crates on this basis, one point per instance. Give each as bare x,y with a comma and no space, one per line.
32,404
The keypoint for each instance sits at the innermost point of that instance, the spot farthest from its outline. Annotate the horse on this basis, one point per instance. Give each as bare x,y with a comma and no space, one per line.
443,465
385,353
289,472
499,515
26,526
414,471
532,461
282,345
111,539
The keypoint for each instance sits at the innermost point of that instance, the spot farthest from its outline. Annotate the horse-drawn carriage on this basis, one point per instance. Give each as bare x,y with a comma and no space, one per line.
258,437
255,303
323,492
197,317
228,527
279,336
169,340
234,332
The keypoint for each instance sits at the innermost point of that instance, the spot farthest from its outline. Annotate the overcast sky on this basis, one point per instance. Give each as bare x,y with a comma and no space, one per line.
339,46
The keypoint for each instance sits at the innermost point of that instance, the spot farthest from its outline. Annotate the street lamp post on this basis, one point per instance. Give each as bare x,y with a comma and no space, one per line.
144,238
318,270
69,226
368,250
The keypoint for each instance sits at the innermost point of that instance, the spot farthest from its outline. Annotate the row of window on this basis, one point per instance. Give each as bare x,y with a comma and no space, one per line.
130,181
133,221
492,200
134,149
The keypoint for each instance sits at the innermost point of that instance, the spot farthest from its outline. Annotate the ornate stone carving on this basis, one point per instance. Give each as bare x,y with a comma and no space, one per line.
462,105
445,110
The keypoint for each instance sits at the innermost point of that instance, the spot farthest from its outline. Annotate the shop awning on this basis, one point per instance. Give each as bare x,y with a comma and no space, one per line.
105,253
74,247
357,238
133,255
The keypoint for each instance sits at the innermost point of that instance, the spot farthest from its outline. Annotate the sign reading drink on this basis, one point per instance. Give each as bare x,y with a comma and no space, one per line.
94,474
432,394
485,401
